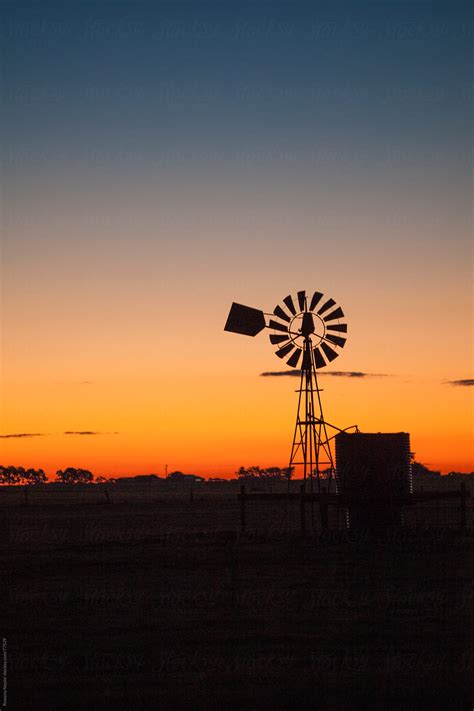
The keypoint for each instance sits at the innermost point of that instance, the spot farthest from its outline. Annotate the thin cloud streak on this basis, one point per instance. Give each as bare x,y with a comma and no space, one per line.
466,382
334,373
22,434
88,433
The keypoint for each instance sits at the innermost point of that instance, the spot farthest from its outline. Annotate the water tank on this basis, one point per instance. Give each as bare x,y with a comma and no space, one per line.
373,472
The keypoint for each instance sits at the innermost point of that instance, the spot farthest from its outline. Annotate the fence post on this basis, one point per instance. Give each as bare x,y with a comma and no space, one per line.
242,506
463,506
302,509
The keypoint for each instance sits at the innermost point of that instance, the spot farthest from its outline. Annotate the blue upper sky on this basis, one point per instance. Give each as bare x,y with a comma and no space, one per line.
142,78
315,112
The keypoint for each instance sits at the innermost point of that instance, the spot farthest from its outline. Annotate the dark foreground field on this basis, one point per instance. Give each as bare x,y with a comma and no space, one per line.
163,605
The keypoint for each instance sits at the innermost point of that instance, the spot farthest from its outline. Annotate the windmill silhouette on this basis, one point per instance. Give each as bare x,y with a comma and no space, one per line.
309,333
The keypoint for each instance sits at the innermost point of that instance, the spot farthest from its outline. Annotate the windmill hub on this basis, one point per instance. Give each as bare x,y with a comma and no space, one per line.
307,324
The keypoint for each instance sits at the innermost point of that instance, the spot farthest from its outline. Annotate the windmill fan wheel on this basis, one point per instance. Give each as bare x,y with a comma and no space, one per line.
306,328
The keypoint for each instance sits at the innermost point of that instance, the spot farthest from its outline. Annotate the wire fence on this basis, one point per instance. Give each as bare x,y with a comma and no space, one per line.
76,515
274,516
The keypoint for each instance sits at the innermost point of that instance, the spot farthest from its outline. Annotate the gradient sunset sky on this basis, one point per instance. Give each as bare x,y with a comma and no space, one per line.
163,159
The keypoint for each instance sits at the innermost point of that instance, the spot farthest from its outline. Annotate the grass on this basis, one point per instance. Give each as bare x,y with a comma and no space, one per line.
165,605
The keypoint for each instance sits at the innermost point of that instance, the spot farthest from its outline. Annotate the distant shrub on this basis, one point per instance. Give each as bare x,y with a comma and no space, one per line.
74,476
18,475
269,474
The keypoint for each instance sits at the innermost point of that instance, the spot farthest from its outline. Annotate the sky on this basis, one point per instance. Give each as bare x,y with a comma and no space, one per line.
162,160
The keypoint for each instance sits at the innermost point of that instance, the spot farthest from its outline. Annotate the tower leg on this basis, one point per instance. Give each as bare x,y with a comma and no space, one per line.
311,447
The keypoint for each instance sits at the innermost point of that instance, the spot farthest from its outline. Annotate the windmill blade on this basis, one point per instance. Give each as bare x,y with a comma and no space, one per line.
329,352
341,327
289,302
317,296
282,352
275,339
318,358
278,311
327,305
337,340
302,300
293,360
338,313
278,326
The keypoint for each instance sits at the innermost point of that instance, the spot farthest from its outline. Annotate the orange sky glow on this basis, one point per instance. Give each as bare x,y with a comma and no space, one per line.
151,180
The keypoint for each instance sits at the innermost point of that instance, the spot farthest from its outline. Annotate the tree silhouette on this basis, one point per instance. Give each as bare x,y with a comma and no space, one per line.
74,476
34,476
10,475
419,469
176,476
269,474
14,476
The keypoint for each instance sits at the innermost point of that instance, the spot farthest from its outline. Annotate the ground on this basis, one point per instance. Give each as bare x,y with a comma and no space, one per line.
162,603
